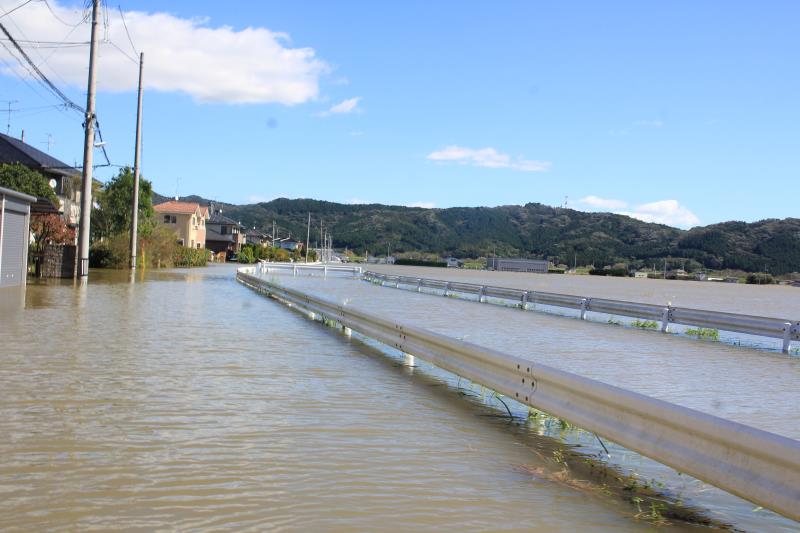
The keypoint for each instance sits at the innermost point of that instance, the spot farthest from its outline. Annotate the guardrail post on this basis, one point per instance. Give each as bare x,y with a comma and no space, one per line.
347,331
325,271
397,283
294,270
524,305
419,284
584,303
446,289
664,320
481,296
787,336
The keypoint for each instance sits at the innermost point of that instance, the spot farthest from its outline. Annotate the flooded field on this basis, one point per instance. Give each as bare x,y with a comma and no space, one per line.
183,400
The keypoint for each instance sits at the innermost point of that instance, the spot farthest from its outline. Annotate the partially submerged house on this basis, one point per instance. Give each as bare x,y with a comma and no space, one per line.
224,234
187,219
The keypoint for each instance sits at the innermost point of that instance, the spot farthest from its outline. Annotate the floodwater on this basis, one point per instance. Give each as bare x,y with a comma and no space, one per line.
185,401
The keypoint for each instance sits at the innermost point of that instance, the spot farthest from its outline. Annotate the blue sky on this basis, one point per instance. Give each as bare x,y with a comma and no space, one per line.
680,112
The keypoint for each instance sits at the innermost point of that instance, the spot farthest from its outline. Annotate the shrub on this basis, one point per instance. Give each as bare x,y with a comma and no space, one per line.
760,278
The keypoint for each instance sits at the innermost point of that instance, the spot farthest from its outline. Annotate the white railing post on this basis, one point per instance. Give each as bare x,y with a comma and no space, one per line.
524,300
481,294
446,289
419,284
787,336
665,320
584,302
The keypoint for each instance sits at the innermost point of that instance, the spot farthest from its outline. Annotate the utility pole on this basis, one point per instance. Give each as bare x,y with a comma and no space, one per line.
84,228
308,235
273,234
136,157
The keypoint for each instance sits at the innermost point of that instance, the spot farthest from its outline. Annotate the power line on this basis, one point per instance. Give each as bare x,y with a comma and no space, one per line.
122,16
44,79
84,18
23,4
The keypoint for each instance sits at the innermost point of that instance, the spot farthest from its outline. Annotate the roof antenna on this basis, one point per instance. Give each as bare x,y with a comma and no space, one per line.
177,185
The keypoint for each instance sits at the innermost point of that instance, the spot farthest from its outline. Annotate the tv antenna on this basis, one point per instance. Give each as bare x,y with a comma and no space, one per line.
8,112
49,142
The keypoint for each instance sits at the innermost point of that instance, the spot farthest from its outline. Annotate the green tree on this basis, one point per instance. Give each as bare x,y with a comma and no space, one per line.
114,200
22,179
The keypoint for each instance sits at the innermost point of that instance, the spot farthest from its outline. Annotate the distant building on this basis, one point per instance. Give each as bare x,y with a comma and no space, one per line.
186,219
15,219
64,179
224,234
290,244
256,238
452,262
640,275
517,265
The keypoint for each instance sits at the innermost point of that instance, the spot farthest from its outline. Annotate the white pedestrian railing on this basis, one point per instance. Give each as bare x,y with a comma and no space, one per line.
756,465
778,328
295,268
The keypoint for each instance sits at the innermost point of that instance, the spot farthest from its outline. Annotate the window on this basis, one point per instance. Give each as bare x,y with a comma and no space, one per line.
170,219
223,230
198,245
166,219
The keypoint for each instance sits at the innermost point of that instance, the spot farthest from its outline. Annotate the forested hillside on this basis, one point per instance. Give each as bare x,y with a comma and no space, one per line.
531,230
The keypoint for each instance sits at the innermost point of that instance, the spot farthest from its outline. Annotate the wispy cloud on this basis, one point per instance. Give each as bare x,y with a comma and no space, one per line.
358,201
486,157
602,203
423,205
344,107
188,55
356,133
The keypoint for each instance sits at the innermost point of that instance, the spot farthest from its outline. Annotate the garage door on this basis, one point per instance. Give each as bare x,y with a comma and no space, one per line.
13,257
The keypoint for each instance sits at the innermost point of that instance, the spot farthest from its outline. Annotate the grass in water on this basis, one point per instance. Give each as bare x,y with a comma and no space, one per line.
704,333
645,324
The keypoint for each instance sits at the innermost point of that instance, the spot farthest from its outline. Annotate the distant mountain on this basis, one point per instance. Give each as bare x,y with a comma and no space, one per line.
530,230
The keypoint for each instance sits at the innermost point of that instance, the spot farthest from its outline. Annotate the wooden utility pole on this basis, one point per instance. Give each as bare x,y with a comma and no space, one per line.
84,229
308,235
136,161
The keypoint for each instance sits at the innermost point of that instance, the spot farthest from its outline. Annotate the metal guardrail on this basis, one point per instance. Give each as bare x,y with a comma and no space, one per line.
777,328
756,465
264,266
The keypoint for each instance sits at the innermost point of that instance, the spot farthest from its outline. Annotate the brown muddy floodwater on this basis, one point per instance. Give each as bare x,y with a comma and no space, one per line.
185,401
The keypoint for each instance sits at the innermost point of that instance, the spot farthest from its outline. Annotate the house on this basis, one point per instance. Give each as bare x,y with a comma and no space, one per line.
187,219
64,179
517,265
257,238
290,244
641,274
224,234
15,219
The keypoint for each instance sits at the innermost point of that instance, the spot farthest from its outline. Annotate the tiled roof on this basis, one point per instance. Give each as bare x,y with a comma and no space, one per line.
15,151
204,211
178,208
217,218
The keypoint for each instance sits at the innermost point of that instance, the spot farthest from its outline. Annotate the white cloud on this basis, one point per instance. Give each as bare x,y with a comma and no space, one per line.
602,203
358,201
356,133
212,64
423,205
668,212
342,108
486,157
